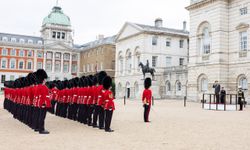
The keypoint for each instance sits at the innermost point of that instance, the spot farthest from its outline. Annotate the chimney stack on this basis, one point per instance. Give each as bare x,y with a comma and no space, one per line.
184,25
158,22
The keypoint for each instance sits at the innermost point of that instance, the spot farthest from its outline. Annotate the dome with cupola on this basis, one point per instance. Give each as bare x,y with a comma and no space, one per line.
57,17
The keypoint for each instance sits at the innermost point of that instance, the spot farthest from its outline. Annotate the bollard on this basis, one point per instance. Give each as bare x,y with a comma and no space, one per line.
124,100
153,101
203,100
185,101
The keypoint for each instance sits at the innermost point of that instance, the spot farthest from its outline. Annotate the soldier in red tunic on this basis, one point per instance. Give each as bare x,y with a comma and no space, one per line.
146,98
44,102
109,103
95,107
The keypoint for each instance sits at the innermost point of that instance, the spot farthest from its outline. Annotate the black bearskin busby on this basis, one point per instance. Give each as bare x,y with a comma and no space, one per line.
107,82
41,75
147,83
101,76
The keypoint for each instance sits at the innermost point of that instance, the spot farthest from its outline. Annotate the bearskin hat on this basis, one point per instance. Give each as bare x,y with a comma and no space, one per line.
95,79
101,76
107,82
147,83
90,79
32,78
41,75
86,82
76,81
81,81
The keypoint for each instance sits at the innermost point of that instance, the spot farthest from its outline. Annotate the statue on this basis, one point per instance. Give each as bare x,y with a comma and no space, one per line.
147,69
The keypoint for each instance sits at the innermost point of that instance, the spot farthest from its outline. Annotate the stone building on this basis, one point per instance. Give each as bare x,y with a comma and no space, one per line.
165,49
98,55
219,46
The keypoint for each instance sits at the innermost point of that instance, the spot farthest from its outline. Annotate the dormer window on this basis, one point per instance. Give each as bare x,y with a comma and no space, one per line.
5,39
21,41
30,42
63,35
58,35
154,40
53,35
40,42
13,39
243,11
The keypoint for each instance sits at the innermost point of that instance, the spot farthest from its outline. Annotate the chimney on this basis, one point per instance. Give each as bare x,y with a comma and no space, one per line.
100,36
184,25
158,22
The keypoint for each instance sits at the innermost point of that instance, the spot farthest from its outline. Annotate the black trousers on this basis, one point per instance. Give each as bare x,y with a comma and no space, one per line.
80,113
90,112
35,118
108,119
74,111
52,109
42,116
217,96
95,115
241,103
146,112
101,116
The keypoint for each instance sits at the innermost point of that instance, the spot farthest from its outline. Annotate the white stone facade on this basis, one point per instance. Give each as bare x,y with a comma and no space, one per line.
135,43
219,46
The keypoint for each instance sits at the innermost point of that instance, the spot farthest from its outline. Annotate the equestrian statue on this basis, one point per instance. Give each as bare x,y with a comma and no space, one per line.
147,69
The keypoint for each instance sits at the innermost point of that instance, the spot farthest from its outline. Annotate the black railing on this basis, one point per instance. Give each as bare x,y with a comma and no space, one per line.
229,99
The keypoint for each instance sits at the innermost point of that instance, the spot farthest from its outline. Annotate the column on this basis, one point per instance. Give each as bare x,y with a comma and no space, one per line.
35,61
62,55
44,59
78,63
53,62
70,63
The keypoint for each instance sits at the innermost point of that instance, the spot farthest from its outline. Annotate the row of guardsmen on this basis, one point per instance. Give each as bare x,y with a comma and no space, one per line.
81,99
88,100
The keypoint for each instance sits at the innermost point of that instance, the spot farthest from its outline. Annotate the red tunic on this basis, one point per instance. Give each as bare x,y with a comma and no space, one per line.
86,94
147,94
44,98
109,100
75,95
100,101
95,95
91,95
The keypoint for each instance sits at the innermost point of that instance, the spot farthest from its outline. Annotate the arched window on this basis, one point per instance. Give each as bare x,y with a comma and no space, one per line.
120,60
13,64
178,86
168,86
128,61
21,64
243,83
137,59
206,41
4,63
204,85
29,65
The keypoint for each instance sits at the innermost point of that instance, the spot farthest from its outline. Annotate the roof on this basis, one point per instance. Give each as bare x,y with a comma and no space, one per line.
57,17
162,29
18,37
104,41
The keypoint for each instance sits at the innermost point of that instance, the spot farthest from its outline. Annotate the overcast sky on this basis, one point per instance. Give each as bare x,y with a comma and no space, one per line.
91,17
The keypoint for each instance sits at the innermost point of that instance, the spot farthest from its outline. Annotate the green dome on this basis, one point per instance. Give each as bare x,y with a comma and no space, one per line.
57,17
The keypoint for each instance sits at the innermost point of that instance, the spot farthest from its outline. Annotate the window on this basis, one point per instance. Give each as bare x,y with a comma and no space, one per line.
58,66
39,65
66,56
12,64
13,40
12,77
63,35
178,86
243,41
53,35
181,43
206,41
56,78
29,53
168,61
40,54
49,55
21,65
66,67
58,35
5,39
154,61
3,78
154,40
58,56
74,57
30,42
21,41
39,42
48,66
29,65
243,11
168,86
4,52
243,83
21,53
181,61
204,85
88,69
121,65
4,63
13,52
129,62
74,68
168,42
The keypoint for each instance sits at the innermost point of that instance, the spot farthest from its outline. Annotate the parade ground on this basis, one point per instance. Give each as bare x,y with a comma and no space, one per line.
172,127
